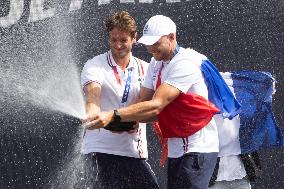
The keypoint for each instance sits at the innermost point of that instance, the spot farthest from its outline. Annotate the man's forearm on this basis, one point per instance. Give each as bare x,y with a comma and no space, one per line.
164,95
150,120
141,111
92,108
92,98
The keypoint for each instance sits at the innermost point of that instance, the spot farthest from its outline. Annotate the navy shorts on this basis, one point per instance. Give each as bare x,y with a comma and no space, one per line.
191,171
121,172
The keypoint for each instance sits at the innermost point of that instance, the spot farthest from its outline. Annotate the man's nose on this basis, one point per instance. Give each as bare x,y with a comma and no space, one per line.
118,45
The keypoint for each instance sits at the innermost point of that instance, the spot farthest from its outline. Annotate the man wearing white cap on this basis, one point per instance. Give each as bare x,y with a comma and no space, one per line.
173,71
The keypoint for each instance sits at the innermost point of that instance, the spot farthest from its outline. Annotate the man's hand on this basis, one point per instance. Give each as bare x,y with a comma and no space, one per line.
100,120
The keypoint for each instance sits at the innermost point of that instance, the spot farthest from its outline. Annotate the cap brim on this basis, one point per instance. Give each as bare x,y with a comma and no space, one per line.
148,40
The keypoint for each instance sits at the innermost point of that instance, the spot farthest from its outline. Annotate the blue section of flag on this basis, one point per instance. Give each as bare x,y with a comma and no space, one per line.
258,128
218,91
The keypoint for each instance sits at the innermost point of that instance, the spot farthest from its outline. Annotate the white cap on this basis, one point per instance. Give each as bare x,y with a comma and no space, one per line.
155,28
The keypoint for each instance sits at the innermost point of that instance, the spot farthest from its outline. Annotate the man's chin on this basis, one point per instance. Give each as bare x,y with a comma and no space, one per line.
157,58
120,54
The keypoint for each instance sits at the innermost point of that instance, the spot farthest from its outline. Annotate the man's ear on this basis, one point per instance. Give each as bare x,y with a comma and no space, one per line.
172,36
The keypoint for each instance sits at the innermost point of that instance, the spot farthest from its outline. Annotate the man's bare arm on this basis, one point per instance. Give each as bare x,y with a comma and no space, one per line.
164,95
92,99
145,95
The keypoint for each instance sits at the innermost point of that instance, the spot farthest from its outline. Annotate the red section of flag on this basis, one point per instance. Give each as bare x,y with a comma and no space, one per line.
183,117
186,115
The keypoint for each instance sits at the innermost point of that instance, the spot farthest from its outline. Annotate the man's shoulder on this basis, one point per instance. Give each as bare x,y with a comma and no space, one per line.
188,58
98,60
191,55
141,62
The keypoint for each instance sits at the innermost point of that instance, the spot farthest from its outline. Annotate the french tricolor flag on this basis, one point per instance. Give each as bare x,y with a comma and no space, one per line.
255,127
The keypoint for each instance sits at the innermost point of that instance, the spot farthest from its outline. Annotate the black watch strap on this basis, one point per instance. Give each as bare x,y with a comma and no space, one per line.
116,117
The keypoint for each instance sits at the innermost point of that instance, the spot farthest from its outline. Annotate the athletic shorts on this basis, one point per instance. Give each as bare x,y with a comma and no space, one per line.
121,172
191,171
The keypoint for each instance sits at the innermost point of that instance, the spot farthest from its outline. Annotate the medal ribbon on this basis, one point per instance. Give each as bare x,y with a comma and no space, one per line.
128,80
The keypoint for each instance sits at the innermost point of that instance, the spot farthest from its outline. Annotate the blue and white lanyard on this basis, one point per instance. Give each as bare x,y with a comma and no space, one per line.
128,80
127,86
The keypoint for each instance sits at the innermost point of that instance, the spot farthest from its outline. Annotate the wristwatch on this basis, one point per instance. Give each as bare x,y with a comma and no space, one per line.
116,116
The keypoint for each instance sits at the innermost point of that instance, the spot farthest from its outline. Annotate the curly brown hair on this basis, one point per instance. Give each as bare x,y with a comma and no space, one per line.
121,20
